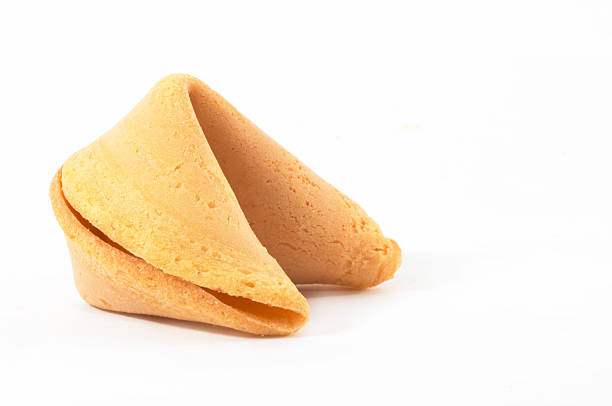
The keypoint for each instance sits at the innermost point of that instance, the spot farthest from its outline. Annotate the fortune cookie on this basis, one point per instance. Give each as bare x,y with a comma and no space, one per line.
185,209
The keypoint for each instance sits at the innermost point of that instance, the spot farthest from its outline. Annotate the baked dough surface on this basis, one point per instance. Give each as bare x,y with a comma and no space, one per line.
186,209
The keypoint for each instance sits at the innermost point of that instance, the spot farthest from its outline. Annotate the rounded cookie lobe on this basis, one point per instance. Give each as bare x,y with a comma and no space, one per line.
111,278
317,234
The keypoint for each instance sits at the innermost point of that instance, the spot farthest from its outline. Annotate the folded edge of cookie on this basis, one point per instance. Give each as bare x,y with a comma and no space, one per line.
110,278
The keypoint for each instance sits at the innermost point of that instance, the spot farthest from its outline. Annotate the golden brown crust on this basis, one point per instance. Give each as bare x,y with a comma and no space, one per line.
317,234
110,278
166,214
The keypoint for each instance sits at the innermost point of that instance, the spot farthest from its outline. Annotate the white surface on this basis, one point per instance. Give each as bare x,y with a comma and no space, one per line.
477,134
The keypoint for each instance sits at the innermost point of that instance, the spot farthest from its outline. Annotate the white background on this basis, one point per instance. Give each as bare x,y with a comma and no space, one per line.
476,133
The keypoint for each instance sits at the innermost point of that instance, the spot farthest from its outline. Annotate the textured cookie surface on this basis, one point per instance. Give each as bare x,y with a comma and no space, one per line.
110,278
194,207
317,234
